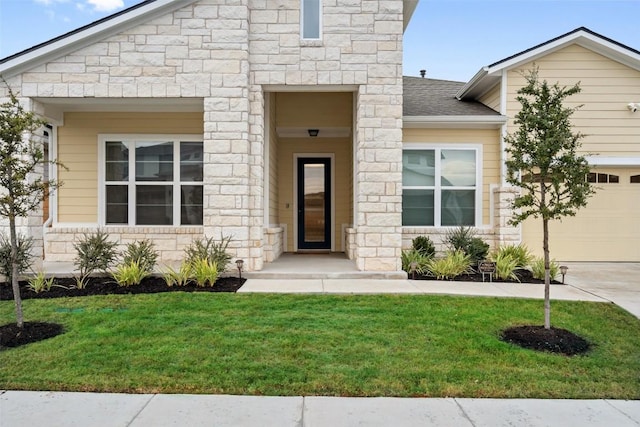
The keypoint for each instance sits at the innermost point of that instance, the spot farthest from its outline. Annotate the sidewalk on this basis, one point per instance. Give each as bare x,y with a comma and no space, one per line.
22,408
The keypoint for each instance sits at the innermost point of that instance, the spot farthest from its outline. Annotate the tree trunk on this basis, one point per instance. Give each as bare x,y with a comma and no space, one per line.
547,274
14,272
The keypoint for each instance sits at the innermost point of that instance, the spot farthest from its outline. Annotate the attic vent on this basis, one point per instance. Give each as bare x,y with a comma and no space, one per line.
423,73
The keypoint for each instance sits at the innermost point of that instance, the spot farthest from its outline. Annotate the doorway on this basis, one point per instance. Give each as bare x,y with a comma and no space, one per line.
314,203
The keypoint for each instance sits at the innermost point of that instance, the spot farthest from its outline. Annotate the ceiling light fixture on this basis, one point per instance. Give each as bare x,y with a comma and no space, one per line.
313,132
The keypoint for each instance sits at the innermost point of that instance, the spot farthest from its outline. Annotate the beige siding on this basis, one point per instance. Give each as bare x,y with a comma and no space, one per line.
273,163
488,138
608,229
492,98
315,109
78,151
607,88
341,148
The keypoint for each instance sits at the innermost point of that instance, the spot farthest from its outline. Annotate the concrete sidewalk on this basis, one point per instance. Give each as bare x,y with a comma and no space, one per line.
24,408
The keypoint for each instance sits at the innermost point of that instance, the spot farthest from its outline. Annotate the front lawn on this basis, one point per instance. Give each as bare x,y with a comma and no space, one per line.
371,345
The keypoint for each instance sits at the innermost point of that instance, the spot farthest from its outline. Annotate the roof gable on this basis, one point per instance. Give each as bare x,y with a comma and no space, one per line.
490,75
87,35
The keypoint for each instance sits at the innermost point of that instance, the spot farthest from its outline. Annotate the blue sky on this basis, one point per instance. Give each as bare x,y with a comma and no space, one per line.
451,39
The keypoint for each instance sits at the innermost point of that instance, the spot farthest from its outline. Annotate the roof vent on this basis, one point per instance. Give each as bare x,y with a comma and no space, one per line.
423,73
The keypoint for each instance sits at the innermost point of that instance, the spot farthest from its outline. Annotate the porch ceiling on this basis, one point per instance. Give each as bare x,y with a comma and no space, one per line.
323,132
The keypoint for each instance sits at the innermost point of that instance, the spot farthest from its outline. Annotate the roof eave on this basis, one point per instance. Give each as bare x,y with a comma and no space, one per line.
91,33
408,7
457,122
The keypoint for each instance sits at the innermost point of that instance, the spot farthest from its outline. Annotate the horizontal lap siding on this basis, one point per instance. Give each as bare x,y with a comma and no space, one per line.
488,138
78,151
607,87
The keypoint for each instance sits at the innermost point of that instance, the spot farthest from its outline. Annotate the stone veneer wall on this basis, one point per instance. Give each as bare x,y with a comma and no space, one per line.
228,52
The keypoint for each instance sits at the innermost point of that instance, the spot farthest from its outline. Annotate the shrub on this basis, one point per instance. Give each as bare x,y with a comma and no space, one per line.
413,255
453,264
143,253
94,252
519,253
39,283
179,277
506,265
128,274
424,246
25,260
464,239
207,248
537,268
204,272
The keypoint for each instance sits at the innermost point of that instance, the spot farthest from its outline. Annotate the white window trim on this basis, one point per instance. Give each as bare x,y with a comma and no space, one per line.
438,185
103,138
302,37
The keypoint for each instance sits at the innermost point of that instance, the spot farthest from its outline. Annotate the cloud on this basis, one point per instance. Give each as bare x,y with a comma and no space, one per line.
103,5
50,2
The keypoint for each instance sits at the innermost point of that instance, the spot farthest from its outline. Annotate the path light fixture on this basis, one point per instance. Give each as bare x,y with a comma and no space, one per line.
412,269
239,264
563,271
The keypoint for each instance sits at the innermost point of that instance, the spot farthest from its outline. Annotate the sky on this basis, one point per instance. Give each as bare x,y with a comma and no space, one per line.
451,39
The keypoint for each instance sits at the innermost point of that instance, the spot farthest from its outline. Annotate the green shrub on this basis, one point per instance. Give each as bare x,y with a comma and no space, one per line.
464,239
179,277
519,253
207,248
94,253
128,274
424,246
453,264
141,252
25,260
506,266
413,255
39,283
204,272
537,268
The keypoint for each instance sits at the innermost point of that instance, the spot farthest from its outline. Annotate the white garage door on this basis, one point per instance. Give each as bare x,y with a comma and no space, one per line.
608,229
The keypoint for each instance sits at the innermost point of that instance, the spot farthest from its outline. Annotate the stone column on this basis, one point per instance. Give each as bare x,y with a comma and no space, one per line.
505,233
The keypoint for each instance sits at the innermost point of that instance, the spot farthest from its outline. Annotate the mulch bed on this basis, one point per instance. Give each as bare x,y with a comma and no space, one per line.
65,287
12,336
554,340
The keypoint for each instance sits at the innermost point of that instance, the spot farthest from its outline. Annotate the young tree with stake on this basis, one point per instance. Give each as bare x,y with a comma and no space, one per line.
21,188
543,161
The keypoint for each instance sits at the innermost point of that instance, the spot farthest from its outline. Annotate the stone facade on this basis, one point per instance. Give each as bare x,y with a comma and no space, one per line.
226,53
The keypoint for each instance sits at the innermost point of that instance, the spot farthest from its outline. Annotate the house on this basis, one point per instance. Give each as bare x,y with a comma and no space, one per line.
283,125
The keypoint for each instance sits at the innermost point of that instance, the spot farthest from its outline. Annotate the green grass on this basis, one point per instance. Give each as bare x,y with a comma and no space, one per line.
376,345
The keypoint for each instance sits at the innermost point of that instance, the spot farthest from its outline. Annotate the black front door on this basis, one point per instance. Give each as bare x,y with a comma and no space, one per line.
314,203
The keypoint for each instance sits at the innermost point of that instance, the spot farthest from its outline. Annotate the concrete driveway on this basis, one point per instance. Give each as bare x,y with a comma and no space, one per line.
618,282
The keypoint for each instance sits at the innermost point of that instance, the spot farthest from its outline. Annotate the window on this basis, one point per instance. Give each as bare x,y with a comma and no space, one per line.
152,181
602,178
310,19
439,187
634,179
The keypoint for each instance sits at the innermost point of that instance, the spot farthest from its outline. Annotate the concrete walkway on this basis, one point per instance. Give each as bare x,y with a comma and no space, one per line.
608,282
33,408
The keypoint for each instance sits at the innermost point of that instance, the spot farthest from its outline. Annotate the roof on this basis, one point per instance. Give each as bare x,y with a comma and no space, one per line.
431,97
488,76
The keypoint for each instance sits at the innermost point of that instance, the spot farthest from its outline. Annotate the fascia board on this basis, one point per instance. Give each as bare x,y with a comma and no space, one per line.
92,34
471,122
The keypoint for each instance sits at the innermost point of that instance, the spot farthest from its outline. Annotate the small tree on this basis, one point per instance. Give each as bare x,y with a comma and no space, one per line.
544,163
22,189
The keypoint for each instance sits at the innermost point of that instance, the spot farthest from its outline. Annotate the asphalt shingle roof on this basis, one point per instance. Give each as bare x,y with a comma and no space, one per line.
432,97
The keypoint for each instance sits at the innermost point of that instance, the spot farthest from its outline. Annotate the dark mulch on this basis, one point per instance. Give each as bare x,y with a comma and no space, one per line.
13,336
554,340
524,276
65,287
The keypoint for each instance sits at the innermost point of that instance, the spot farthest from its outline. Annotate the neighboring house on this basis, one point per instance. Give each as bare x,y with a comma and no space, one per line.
283,125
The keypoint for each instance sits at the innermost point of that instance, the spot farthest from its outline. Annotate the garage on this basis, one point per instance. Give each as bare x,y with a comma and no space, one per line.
608,229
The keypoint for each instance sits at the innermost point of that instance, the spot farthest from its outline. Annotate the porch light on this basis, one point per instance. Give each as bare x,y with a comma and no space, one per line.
313,132
563,271
239,264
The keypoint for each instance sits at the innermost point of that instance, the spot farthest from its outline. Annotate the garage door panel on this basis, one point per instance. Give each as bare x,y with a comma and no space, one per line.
608,229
